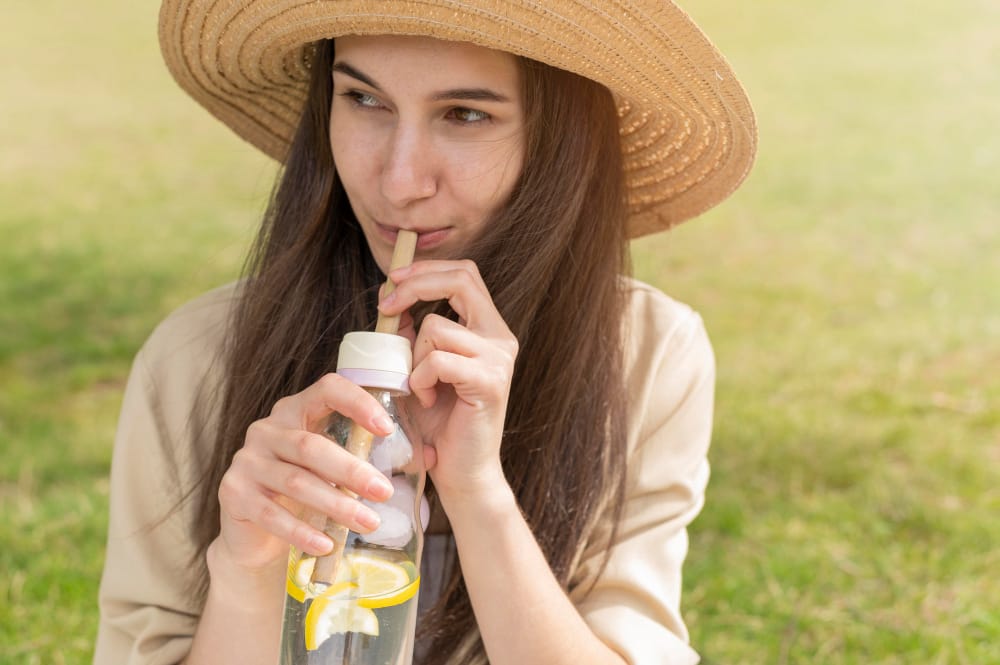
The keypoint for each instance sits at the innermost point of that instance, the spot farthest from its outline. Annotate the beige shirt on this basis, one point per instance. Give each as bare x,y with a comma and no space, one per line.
148,616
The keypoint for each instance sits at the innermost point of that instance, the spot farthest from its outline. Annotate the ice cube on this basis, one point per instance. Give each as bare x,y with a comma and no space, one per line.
395,530
392,452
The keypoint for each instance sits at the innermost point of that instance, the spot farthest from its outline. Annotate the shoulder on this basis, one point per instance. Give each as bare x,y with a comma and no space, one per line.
669,364
177,374
633,602
194,332
660,329
165,434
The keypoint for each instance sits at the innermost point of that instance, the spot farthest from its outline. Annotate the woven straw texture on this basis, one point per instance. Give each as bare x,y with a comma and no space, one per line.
688,131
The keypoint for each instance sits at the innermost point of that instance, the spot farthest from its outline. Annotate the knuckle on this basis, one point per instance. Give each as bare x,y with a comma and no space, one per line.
329,383
229,490
255,432
431,323
241,465
435,359
511,346
500,382
269,513
469,267
303,444
469,275
296,481
239,459
282,406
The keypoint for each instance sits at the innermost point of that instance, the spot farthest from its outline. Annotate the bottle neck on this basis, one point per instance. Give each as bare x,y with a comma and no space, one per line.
376,378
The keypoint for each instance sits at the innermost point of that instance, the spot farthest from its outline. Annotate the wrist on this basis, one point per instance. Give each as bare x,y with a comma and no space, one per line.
483,498
233,584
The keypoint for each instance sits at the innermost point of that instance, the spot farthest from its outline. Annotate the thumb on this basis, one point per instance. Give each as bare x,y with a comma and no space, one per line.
430,457
406,327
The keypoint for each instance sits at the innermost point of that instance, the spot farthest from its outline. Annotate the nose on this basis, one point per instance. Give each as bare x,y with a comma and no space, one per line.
408,172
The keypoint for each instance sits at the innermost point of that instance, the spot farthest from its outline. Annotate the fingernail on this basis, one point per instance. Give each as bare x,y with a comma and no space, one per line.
384,423
389,299
400,273
368,519
379,488
320,544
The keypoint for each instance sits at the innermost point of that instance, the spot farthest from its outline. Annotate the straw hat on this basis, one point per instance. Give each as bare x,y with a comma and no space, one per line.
688,132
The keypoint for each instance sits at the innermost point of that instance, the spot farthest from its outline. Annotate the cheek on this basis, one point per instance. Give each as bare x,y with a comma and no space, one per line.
512,167
487,174
341,143
351,158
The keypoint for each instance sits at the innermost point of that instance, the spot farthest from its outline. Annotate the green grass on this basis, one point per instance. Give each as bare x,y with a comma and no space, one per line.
850,289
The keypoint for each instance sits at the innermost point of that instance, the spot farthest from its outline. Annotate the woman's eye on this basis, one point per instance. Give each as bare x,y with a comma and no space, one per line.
362,99
467,116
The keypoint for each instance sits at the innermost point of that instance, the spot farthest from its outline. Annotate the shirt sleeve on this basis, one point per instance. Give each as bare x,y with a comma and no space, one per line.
147,617
149,608
634,604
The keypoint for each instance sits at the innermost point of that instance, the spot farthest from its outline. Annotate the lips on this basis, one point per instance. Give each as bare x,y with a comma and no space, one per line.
426,238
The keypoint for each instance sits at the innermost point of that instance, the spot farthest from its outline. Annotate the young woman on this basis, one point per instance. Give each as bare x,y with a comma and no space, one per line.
566,409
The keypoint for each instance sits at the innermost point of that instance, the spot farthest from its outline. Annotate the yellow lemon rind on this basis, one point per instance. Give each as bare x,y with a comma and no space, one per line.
294,591
325,601
392,599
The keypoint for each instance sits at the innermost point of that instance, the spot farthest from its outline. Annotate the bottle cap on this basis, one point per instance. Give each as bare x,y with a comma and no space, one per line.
376,360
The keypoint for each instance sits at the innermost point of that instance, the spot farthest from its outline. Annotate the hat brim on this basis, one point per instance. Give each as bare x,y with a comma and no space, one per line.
688,131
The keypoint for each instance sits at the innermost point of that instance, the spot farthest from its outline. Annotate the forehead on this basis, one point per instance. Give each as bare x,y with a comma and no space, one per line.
427,62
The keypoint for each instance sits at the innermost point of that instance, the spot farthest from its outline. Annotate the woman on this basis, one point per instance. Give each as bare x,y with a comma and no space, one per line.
567,411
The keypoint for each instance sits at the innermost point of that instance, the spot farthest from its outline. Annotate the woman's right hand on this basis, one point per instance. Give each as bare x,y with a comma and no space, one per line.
286,464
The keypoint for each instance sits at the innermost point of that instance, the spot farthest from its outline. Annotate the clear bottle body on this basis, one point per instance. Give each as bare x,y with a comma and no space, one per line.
358,604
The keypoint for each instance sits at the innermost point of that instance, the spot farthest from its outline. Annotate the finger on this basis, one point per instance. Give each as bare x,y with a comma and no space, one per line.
427,266
477,383
312,453
437,332
244,502
407,328
430,457
458,282
277,520
440,334
332,393
308,489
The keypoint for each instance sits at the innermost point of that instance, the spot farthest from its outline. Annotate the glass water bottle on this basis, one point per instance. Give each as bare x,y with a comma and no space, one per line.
357,605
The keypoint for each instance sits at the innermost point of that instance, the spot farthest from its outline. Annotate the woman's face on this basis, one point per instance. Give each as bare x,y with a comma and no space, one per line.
426,135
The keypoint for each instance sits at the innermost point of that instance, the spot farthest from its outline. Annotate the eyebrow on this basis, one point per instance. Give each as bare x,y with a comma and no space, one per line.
470,94
460,94
345,68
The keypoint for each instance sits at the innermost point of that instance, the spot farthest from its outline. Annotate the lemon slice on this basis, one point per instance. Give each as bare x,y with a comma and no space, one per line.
390,599
300,570
377,577
346,606
293,591
334,612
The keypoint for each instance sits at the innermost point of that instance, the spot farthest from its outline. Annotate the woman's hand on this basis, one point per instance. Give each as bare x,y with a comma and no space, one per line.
461,375
285,464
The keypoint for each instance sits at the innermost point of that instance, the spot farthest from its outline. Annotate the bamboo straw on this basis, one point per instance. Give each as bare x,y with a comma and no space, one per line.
402,256
359,441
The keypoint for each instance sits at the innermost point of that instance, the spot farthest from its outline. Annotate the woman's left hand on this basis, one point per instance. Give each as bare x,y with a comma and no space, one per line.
461,375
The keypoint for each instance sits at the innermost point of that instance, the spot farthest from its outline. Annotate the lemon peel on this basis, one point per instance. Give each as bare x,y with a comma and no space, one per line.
333,611
391,599
364,583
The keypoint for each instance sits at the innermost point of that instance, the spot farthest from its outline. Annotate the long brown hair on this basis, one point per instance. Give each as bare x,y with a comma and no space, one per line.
552,258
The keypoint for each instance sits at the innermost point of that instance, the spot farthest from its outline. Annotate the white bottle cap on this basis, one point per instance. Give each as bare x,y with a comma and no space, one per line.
376,360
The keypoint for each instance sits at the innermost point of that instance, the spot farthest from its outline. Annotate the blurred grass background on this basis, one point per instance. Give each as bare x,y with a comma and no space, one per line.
850,287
